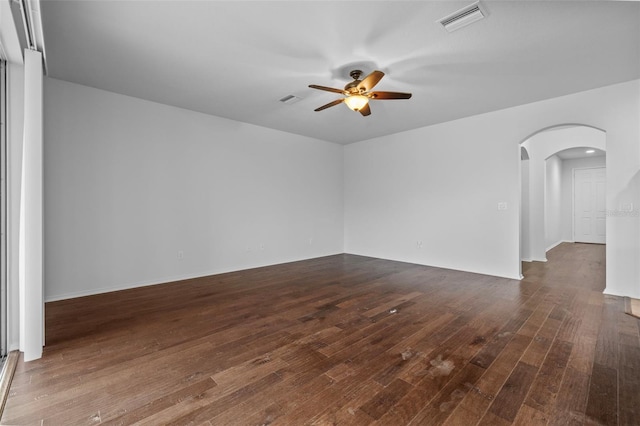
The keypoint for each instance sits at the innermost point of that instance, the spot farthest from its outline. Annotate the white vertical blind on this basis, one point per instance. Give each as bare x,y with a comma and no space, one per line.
31,210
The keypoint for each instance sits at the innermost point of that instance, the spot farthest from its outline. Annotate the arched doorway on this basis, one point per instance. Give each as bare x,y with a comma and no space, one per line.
547,163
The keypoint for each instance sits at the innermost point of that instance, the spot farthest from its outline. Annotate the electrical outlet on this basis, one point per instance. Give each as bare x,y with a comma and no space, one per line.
180,254
503,205
419,244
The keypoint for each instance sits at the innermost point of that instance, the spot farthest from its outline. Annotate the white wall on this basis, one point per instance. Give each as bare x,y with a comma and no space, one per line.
441,185
107,174
553,202
568,166
130,183
525,244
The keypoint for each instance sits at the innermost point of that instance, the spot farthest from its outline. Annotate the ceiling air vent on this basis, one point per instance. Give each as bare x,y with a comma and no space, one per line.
290,99
463,17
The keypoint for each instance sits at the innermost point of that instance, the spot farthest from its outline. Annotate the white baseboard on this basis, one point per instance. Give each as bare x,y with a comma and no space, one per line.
544,259
128,286
166,280
552,246
615,292
436,265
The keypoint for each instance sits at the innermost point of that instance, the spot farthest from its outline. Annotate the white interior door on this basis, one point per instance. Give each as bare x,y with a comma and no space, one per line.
589,205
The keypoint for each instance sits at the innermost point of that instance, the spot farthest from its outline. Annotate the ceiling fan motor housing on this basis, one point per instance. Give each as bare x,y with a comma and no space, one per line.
352,87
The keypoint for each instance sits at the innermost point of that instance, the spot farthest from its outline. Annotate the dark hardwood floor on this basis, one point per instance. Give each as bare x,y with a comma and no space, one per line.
343,340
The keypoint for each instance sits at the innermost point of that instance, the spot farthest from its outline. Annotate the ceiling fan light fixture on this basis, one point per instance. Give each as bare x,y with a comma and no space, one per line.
356,102
358,92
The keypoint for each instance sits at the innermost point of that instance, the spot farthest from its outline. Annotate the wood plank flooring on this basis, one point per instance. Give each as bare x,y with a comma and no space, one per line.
345,340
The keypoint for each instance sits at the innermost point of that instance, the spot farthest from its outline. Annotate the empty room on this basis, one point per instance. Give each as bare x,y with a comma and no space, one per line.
320,212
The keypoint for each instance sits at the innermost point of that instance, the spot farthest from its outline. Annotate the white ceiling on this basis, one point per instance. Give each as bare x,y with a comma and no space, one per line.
576,153
236,59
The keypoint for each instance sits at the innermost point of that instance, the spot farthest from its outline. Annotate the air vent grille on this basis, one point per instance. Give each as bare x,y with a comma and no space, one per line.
474,9
463,17
290,99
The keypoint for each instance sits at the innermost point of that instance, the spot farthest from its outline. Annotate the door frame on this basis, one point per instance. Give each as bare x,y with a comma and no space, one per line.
573,198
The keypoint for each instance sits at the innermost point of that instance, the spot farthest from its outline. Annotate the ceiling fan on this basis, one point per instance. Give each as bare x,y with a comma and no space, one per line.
358,92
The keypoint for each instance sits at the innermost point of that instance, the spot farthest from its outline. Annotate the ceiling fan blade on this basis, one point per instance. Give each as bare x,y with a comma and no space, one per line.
365,110
369,81
330,104
327,89
389,95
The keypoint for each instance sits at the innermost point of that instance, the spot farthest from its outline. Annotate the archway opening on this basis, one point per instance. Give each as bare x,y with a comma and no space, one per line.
549,162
